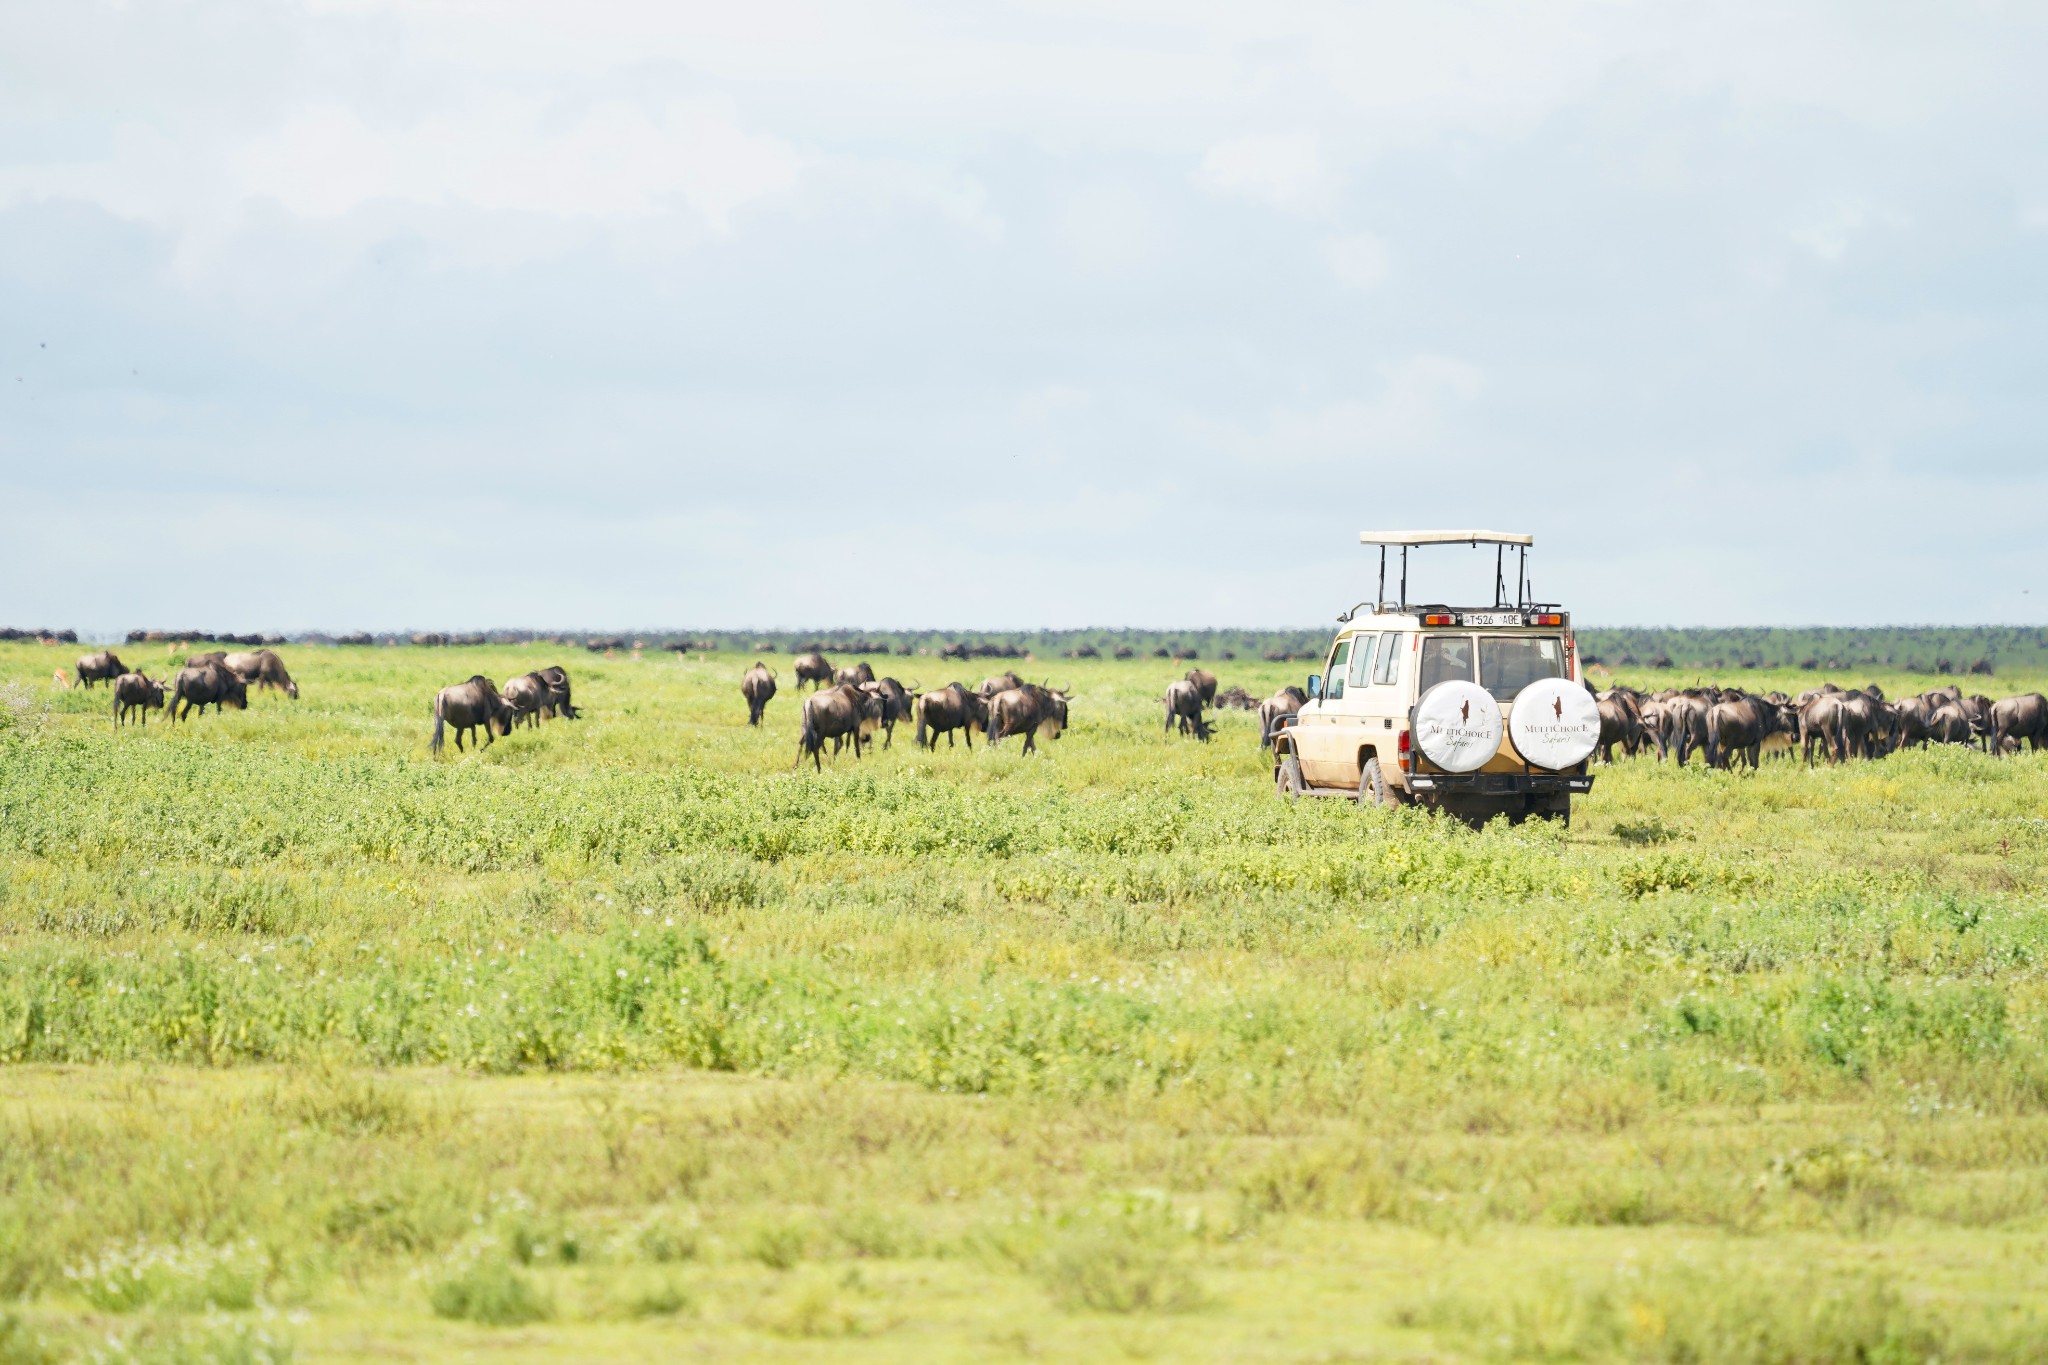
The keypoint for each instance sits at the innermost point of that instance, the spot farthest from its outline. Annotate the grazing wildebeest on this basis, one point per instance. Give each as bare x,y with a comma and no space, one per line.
1620,723
468,707
1978,709
556,679
1288,701
1006,682
838,713
1685,723
1820,722
950,708
1029,711
858,674
1912,714
262,668
1949,723
1737,728
2024,717
523,697
896,705
1867,724
137,693
206,683
104,666
1205,684
1184,705
758,687
1236,699
814,669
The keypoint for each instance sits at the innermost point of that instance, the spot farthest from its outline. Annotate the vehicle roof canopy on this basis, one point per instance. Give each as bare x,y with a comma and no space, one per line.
1405,538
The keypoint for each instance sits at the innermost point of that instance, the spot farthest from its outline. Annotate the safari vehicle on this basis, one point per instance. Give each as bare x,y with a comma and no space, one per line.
1475,711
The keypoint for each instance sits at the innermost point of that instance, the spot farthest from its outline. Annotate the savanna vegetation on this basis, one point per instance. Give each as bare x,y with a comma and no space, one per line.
624,1040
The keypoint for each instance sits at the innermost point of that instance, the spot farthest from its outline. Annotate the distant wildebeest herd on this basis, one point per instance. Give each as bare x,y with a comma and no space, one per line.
214,679
1726,725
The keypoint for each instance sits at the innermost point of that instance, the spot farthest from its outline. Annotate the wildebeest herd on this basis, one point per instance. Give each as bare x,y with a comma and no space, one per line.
850,705
1726,725
215,679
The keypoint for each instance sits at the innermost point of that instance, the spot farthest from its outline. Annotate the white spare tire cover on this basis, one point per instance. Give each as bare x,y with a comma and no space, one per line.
1555,723
1457,726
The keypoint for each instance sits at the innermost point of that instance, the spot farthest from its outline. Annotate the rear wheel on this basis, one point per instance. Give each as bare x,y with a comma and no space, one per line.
1287,778
1373,788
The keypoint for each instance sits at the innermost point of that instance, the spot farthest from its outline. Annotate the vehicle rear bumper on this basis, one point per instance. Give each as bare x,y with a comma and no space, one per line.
1500,784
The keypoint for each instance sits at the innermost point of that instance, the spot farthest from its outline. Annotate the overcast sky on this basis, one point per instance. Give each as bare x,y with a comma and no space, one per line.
360,315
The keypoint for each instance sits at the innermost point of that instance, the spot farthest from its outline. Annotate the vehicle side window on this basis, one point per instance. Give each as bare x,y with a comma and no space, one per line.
1333,676
1390,659
1445,657
1361,659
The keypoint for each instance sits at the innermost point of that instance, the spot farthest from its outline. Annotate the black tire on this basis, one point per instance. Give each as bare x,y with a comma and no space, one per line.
1373,789
1287,778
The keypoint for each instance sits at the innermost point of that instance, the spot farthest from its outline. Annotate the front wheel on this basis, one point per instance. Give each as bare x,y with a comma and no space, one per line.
1373,788
1287,778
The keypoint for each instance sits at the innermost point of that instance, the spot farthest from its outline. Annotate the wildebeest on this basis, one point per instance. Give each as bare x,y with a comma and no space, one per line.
1005,682
815,669
896,705
1184,705
2024,717
1288,701
1685,723
1030,711
206,683
262,668
1737,728
1820,723
1205,684
523,697
555,679
840,712
104,666
1620,722
950,708
758,687
857,674
1236,699
137,693
468,707
1949,723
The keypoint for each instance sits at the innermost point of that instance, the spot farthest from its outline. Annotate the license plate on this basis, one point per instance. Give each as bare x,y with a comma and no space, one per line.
1490,618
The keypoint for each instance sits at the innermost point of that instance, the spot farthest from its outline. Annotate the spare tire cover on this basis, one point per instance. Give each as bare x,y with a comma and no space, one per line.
1457,726
1555,723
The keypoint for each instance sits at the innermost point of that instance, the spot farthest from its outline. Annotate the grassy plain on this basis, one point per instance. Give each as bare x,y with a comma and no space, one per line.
622,1040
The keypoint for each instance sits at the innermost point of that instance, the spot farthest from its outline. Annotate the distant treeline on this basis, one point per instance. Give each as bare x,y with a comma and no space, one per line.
1911,649
1914,649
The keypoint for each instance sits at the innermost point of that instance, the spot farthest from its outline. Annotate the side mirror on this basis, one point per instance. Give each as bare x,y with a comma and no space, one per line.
1315,686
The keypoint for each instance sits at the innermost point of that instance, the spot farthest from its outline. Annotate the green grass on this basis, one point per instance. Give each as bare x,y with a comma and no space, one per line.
624,1039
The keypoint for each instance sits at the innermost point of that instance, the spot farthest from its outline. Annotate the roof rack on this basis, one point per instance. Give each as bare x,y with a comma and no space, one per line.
1500,540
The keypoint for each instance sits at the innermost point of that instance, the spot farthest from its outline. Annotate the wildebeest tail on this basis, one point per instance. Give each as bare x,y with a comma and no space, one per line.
920,723
434,745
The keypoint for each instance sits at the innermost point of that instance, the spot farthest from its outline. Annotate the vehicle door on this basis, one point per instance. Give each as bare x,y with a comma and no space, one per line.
1317,735
1383,698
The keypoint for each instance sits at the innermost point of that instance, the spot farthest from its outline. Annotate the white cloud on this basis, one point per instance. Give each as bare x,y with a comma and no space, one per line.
504,153
1359,260
1286,171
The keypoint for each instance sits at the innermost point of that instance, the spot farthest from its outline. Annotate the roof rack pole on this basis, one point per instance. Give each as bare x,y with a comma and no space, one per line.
1404,578
1380,600
1522,577
1500,583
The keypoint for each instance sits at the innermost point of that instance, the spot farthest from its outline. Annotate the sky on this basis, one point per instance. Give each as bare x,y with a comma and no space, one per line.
355,315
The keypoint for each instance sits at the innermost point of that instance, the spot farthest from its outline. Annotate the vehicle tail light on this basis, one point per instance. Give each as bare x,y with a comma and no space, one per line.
1439,619
1547,618
1405,755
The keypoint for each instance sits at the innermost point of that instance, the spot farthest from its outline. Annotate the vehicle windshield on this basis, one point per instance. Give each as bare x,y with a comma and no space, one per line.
1509,663
1444,657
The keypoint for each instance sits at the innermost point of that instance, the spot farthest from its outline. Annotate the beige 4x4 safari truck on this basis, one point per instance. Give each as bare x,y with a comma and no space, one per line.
1476,711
